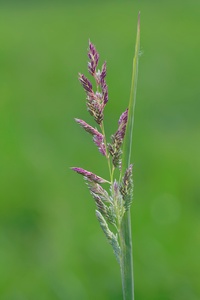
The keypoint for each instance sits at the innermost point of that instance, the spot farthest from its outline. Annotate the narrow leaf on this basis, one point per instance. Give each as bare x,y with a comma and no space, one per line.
131,108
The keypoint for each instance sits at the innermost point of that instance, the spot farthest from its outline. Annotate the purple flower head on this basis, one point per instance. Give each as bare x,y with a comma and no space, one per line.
87,127
95,107
94,59
104,89
115,187
126,187
103,72
85,83
103,85
122,126
96,101
117,195
127,176
97,136
89,175
99,142
117,140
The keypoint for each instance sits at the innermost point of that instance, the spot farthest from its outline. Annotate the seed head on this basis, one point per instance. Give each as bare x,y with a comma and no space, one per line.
96,101
117,139
119,135
103,72
85,83
126,187
89,175
94,59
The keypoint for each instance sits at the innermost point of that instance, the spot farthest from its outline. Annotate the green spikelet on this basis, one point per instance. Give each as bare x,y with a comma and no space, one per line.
112,238
126,188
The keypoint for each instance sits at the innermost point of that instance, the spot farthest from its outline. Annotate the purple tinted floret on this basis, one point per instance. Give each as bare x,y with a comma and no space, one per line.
98,138
126,188
103,72
117,139
96,101
89,175
104,88
94,59
99,142
85,83
122,126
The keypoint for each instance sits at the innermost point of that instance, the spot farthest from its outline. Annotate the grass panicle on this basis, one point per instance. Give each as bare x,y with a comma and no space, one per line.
113,203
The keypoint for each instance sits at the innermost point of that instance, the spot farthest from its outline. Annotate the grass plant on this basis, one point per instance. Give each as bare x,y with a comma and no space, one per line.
113,203
51,244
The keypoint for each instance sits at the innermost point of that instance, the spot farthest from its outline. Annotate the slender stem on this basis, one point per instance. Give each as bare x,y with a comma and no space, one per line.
126,263
125,235
127,149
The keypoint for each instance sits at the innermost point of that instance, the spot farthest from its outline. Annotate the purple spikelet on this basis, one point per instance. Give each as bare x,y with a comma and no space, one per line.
104,89
126,188
94,59
87,127
85,83
119,135
103,72
89,175
96,101
98,137
99,142
117,139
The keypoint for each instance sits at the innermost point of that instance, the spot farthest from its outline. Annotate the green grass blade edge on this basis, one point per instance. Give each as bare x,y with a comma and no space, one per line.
127,148
125,235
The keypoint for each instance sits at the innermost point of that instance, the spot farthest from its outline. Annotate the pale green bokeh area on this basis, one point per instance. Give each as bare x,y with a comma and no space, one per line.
51,246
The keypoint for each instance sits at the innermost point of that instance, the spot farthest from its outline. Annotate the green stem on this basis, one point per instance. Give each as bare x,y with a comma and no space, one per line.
125,235
126,262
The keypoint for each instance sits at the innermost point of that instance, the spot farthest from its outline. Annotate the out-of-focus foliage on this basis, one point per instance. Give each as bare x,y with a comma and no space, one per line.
51,246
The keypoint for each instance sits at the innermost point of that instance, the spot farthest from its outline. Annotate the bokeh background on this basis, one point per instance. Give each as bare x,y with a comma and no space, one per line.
51,246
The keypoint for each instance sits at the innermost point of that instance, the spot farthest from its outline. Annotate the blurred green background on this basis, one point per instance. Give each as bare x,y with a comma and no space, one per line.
51,246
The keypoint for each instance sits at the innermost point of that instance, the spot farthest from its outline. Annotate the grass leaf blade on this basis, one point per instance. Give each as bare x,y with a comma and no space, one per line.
125,228
127,148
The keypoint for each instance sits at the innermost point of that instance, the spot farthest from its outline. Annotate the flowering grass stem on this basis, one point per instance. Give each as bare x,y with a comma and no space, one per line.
125,229
113,205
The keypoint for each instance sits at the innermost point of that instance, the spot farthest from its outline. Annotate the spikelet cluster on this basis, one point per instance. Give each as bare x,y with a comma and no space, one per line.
111,202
